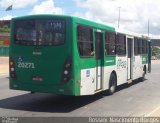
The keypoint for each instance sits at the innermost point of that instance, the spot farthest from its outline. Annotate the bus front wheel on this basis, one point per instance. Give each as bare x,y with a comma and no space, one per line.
112,84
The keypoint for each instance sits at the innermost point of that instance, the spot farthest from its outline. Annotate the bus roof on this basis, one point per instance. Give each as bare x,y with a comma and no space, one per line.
76,19
86,22
129,33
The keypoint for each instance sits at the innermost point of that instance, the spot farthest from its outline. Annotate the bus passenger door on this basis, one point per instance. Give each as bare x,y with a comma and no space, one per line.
99,56
130,57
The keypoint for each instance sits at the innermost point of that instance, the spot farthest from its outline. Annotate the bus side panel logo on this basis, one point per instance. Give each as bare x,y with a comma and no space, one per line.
87,73
22,64
20,59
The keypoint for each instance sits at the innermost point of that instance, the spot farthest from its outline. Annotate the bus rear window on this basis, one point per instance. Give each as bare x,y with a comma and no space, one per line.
39,32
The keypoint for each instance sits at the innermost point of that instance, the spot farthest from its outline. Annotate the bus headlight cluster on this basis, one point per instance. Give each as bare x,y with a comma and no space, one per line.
66,71
12,68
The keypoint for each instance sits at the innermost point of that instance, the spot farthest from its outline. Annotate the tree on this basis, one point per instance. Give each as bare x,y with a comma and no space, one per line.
156,51
5,28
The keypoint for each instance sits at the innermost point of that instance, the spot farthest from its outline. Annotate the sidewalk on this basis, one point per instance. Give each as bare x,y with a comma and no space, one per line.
154,113
155,62
4,66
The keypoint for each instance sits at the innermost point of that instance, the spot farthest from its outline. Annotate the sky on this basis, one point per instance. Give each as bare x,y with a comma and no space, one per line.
134,14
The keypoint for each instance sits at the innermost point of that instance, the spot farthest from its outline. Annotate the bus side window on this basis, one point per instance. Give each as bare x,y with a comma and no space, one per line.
144,46
147,48
110,43
85,41
139,46
135,46
121,44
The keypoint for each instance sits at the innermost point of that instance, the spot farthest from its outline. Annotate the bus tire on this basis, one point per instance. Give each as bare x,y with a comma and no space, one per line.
143,74
112,84
143,77
32,92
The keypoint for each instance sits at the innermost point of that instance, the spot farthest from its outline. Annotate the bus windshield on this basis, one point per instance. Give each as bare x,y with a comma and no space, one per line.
39,32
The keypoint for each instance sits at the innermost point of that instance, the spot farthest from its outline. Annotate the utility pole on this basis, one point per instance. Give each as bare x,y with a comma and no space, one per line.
119,10
149,49
148,27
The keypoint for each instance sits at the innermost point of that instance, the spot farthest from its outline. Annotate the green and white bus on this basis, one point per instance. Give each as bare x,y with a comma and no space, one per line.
72,56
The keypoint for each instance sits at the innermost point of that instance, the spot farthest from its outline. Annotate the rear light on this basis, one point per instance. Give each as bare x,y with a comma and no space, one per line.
12,68
67,69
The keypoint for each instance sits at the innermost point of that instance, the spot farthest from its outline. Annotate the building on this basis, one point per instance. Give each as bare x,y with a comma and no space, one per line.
5,22
156,42
4,37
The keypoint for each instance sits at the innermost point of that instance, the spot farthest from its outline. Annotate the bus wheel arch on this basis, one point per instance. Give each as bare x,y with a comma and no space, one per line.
112,83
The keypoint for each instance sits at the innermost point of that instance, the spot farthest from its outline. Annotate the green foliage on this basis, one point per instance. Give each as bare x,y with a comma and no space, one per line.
156,52
5,28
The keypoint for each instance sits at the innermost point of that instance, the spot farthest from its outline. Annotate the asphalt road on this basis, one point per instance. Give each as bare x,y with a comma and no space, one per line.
139,99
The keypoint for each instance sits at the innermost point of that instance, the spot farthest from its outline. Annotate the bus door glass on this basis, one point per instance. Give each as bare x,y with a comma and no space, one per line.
99,55
130,57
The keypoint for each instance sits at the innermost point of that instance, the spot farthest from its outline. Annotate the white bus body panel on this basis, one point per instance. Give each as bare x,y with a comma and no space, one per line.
137,67
121,70
88,80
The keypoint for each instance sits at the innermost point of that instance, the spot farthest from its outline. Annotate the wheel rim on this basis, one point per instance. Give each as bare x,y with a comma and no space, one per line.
112,88
144,75
113,84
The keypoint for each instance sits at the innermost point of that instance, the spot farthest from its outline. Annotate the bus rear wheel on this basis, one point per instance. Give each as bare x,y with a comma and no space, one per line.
112,84
143,77
143,74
